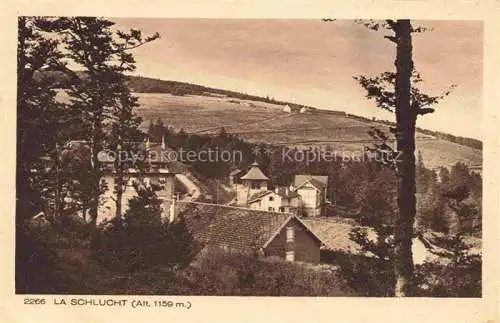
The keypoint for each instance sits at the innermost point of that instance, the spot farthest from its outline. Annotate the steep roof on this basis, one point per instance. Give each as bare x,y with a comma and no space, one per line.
318,181
255,174
242,229
236,228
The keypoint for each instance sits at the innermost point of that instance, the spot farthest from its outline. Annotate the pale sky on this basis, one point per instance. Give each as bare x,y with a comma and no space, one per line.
312,62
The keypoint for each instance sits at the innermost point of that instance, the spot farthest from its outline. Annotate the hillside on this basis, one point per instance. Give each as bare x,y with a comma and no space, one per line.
268,123
200,109
149,85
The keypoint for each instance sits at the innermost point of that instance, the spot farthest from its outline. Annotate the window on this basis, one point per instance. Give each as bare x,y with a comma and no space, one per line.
290,234
255,186
270,209
282,209
290,255
271,198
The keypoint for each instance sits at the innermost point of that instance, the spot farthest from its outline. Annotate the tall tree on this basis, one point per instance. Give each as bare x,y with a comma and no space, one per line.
393,91
40,124
42,121
99,91
124,134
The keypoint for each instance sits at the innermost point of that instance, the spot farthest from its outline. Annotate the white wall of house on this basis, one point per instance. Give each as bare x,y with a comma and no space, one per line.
270,202
275,203
312,198
107,205
248,188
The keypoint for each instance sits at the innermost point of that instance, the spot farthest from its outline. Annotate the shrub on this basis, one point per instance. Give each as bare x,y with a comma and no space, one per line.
140,239
458,276
231,273
35,259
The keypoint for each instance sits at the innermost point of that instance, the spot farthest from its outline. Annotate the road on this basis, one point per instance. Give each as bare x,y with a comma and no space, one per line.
192,188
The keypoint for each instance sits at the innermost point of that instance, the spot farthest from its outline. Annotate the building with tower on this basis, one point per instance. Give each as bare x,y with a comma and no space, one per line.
254,181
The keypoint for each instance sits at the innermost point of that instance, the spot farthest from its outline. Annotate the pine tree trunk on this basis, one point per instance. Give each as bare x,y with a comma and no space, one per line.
405,119
96,179
119,189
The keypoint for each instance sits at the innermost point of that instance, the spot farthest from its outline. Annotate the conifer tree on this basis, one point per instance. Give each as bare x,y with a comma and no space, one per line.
100,90
393,91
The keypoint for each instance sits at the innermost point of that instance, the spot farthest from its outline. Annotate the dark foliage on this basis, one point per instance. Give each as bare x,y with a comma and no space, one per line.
459,277
141,239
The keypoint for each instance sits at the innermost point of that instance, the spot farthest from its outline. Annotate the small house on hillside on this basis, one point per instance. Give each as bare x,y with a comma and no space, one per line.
268,234
287,109
312,190
303,110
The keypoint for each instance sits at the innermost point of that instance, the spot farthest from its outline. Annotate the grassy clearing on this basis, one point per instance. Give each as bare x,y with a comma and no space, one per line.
263,122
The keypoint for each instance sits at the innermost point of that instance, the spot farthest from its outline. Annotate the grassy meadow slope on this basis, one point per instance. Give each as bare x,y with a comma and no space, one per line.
268,123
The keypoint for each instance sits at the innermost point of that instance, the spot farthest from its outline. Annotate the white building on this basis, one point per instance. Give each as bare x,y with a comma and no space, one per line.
287,108
281,199
156,174
312,190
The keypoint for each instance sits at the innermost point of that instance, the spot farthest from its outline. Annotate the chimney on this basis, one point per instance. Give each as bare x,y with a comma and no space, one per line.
286,191
276,189
147,144
163,147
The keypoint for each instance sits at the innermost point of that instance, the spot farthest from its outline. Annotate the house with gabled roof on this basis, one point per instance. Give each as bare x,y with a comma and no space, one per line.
281,199
312,190
271,234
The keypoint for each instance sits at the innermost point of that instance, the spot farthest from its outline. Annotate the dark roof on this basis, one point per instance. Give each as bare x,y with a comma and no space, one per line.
157,150
242,229
316,180
255,174
235,228
287,193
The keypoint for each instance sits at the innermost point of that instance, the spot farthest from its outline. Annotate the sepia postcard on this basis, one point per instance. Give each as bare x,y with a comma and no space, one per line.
238,161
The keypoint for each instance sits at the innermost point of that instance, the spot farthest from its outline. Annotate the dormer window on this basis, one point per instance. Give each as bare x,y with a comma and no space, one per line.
271,198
